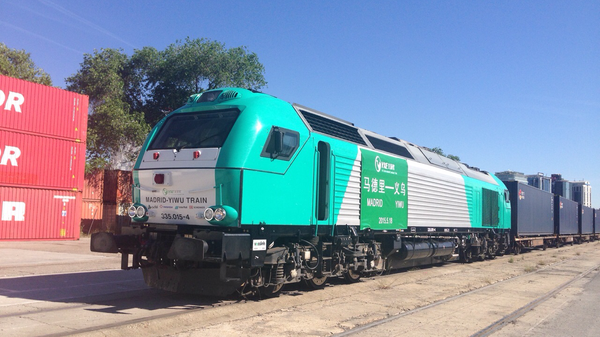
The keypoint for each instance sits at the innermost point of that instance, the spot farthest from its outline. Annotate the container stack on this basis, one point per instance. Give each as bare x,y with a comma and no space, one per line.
42,160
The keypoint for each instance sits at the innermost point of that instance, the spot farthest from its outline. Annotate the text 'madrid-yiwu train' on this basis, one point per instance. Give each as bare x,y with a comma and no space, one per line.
241,191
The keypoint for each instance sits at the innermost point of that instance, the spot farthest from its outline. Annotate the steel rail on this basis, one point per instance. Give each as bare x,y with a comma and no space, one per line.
491,328
499,324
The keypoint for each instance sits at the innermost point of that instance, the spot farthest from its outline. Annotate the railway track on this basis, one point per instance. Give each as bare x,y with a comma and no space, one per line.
499,324
35,306
496,325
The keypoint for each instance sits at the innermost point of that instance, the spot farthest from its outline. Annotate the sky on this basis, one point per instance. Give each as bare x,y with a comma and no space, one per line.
504,85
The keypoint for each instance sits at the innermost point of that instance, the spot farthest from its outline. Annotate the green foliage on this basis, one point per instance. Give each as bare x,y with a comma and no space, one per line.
114,135
18,64
115,131
128,95
439,151
193,66
100,77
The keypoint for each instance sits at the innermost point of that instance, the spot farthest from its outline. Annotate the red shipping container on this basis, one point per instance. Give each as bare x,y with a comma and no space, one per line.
39,214
43,110
93,185
36,161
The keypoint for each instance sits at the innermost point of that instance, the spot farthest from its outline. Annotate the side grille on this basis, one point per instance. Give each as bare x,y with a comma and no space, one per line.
229,94
333,128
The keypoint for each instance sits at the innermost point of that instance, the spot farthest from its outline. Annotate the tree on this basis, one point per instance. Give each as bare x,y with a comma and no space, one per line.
115,131
193,66
439,151
100,77
128,95
18,64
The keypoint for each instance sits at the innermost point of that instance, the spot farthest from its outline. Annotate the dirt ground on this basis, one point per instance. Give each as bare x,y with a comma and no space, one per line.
342,307
451,300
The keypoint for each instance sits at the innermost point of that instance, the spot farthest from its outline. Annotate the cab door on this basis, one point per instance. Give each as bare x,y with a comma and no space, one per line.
322,189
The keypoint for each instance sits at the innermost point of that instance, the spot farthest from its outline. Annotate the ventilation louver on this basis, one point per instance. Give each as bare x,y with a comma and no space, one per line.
229,94
333,128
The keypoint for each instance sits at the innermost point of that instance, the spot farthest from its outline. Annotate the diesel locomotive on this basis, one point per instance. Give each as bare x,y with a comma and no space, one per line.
240,191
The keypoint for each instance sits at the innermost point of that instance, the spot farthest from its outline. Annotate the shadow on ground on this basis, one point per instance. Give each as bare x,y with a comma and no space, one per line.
113,291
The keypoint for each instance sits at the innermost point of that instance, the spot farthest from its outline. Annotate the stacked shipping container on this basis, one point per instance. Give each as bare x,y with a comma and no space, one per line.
106,198
42,160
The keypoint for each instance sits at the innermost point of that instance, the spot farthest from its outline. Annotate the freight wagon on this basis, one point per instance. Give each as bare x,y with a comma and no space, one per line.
566,219
540,219
596,224
532,216
585,224
238,190
42,160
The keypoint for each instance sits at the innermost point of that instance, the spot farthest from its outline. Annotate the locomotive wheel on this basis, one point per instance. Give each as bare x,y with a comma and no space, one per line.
316,282
517,249
467,255
493,251
273,290
352,276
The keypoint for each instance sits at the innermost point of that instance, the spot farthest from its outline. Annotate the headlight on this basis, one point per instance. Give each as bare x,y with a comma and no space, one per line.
132,211
209,214
140,212
220,214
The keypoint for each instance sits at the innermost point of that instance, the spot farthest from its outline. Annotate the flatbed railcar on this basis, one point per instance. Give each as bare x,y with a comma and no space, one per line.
241,191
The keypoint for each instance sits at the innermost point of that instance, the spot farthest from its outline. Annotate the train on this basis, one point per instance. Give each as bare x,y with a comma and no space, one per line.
239,191
540,219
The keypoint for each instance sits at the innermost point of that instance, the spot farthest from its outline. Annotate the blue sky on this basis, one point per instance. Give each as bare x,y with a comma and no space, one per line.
502,84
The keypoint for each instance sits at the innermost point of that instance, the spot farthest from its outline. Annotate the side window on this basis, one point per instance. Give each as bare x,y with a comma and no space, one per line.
281,144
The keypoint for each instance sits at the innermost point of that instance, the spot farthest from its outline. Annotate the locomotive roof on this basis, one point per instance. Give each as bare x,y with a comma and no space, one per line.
393,145
336,127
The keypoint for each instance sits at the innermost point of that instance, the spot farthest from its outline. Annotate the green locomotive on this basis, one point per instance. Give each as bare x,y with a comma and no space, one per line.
239,190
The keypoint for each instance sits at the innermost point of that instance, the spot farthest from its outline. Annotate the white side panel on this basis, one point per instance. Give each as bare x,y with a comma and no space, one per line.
347,169
436,197
183,197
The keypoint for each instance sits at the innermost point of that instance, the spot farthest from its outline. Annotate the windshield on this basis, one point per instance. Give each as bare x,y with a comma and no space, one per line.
195,130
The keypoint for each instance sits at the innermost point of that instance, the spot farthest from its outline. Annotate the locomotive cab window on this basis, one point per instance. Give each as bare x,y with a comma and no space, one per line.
281,144
195,130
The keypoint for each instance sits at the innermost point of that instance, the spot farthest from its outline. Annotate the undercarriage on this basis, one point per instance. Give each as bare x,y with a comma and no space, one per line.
221,263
